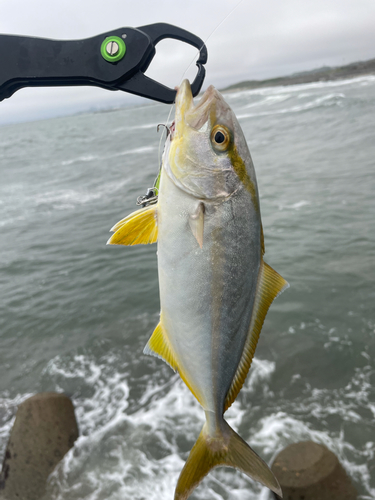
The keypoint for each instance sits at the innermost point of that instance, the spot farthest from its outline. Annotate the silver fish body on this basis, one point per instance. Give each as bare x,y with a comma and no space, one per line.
215,288
207,294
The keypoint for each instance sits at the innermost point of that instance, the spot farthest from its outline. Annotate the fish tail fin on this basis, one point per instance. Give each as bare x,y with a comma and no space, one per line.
227,448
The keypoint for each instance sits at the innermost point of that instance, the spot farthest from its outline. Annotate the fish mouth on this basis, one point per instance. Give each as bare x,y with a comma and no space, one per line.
189,115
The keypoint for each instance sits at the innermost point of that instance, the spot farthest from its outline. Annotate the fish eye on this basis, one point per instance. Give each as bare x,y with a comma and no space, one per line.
220,138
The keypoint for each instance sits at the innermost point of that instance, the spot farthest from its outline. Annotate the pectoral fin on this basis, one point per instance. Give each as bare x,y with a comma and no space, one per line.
270,285
140,227
196,222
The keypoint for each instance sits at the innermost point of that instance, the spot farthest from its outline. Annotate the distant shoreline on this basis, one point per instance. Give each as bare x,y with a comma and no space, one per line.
324,74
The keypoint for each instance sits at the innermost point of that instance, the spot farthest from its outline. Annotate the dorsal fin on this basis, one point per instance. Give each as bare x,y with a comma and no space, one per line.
158,345
140,227
270,285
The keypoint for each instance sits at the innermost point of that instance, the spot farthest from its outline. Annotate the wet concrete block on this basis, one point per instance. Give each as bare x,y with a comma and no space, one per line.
44,430
310,471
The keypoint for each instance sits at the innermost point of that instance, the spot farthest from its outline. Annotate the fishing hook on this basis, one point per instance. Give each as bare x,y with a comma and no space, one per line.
164,125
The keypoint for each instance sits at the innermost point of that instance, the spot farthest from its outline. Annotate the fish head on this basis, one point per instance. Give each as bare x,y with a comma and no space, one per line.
206,153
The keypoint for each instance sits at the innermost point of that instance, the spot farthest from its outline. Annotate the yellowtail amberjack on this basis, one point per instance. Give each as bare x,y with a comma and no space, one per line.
215,288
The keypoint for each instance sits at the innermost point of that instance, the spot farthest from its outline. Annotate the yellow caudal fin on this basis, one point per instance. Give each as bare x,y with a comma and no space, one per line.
159,346
230,450
140,227
270,285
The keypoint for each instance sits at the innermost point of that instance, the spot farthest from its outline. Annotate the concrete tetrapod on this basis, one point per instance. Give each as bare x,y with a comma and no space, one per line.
44,430
310,471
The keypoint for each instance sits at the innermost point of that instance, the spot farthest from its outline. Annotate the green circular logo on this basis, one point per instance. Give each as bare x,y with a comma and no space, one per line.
113,49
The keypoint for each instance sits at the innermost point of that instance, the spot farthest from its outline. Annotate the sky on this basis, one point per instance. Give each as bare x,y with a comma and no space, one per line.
246,40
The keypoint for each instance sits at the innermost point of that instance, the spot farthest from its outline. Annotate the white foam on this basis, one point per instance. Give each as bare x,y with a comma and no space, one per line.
326,100
360,80
67,199
92,158
143,149
268,101
123,453
83,158
129,470
295,206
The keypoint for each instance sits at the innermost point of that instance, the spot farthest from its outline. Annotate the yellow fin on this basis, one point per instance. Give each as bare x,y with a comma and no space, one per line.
159,346
262,239
140,227
196,222
270,285
227,449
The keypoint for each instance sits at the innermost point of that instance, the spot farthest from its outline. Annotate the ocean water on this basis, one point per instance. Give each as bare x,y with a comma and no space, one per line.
75,314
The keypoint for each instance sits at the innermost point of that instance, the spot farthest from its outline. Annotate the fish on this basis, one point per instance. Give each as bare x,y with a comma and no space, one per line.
215,288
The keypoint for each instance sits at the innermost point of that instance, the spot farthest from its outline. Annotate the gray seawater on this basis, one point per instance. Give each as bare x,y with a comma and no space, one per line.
75,314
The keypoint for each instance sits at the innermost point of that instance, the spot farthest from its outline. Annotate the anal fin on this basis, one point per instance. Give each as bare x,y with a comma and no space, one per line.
159,346
140,227
270,285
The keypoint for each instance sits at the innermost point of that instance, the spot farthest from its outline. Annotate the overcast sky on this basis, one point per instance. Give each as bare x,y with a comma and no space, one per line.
259,39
